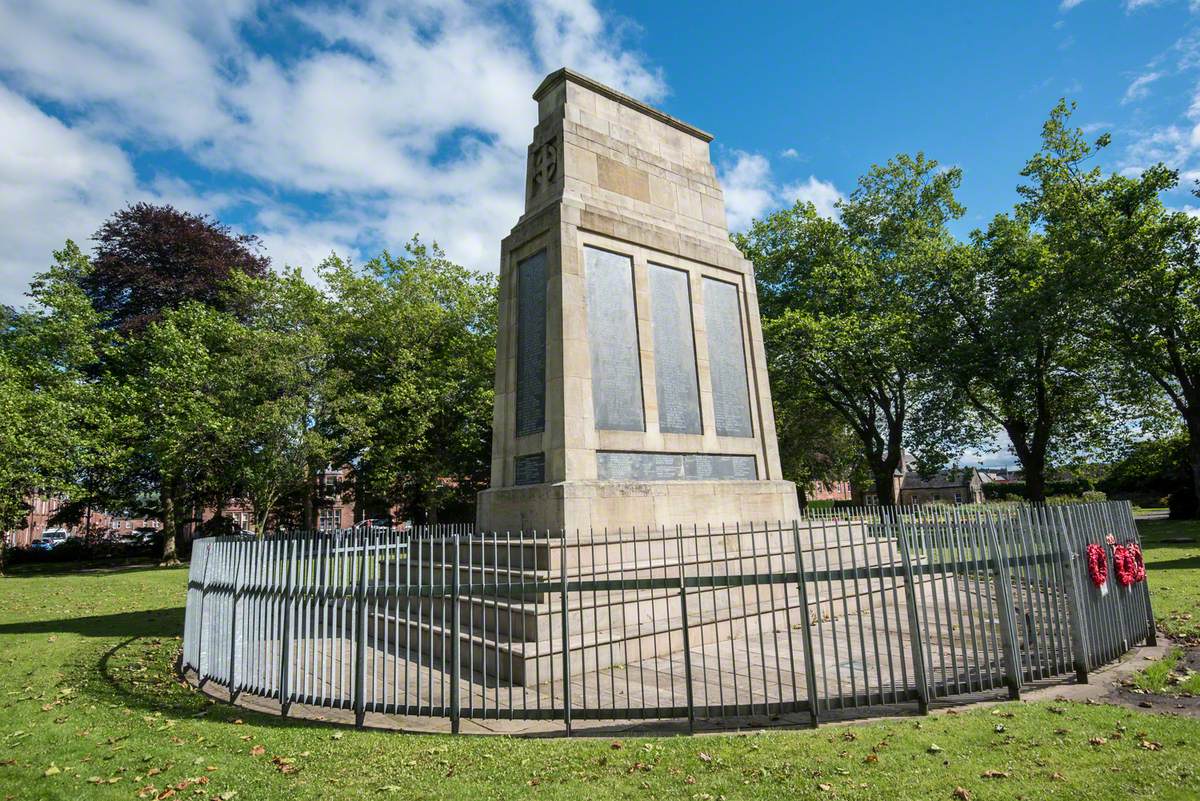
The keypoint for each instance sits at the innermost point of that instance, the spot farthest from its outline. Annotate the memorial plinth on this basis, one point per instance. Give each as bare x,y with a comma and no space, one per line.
631,383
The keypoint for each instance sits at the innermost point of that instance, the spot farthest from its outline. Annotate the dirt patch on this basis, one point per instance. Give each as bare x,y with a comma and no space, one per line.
1172,700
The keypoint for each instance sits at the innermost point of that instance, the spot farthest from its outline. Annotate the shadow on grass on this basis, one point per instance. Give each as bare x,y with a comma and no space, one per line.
159,688
1185,563
59,569
165,622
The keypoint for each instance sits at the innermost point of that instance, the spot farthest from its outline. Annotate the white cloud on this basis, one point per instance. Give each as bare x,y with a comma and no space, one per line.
751,191
790,153
1067,5
57,183
399,118
822,194
1140,87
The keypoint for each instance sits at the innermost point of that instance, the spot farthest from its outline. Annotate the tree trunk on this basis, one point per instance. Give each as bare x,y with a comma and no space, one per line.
1193,452
310,513
1032,459
885,485
1035,484
170,527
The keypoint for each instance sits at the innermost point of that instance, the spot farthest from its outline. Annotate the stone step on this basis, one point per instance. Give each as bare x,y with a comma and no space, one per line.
528,619
603,635
539,552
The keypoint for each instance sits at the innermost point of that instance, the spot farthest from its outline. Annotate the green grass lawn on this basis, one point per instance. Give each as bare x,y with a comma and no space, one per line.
91,708
1173,570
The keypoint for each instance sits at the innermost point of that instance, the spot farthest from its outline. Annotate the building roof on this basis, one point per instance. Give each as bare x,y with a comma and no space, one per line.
950,479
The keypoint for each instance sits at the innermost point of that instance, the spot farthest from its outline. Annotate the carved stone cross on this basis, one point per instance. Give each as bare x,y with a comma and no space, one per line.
545,163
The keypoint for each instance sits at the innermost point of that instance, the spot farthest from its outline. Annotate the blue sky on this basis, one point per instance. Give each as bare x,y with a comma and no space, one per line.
848,84
328,126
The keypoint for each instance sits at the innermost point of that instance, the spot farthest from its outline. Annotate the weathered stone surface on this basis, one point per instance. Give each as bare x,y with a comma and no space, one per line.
531,344
726,359
613,337
656,408
674,351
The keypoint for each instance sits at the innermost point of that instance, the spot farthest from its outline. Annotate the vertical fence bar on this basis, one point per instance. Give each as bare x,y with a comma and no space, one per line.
1008,631
810,667
910,598
687,643
360,631
455,642
1075,624
200,623
1151,626
566,629
234,656
285,631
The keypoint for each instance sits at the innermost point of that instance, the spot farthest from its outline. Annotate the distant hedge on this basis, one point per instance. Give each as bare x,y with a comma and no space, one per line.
1016,490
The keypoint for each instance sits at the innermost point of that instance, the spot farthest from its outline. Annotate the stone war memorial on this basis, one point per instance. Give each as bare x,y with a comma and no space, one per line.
631,382
638,555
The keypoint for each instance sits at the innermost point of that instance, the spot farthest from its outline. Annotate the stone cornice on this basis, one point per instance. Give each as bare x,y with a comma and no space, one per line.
567,74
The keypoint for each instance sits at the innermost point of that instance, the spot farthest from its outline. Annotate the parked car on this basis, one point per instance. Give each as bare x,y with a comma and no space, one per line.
51,538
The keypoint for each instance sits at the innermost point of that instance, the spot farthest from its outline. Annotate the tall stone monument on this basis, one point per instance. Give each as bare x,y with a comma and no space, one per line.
631,383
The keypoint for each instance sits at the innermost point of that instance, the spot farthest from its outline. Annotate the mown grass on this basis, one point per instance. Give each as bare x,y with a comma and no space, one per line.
91,708
1174,575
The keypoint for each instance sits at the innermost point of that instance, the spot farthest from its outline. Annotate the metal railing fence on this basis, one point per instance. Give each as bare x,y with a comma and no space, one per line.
854,610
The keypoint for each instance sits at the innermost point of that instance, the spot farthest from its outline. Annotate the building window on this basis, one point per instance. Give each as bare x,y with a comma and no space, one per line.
328,519
958,497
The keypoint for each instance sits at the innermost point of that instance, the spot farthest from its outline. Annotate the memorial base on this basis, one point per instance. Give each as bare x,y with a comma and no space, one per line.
576,506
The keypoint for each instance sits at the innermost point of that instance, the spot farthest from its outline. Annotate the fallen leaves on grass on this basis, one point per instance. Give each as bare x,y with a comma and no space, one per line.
961,793
284,765
1098,741
994,774
257,750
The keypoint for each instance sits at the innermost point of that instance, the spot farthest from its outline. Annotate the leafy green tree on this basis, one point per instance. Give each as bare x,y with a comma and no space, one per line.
815,444
1151,469
1018,347
55,425
1140,260
414,344
841,301
285,398
177,379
